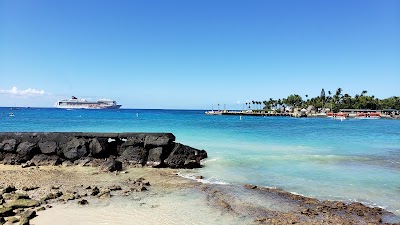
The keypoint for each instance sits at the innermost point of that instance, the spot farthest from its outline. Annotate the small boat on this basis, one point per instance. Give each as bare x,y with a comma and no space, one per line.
337,116
368,116
11,114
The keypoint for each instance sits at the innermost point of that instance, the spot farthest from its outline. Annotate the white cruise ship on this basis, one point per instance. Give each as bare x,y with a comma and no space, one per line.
75,103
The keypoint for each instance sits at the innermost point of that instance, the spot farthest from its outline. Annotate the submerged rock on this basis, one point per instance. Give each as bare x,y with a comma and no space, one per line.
24,221
15,196
9,189
95,191
6,211
29,214
249,186
40,209
115,187
104,193
83,202
12,220
68,196
51,196
22,203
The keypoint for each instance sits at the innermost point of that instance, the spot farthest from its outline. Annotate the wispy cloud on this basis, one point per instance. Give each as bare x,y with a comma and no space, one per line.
30,92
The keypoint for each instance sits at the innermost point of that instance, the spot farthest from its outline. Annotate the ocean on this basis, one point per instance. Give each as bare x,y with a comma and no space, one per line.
350,160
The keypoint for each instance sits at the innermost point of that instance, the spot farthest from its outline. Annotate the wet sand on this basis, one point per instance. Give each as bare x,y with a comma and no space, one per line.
170,199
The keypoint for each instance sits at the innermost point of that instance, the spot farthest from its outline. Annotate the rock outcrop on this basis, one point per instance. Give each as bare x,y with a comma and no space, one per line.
109,150
185,156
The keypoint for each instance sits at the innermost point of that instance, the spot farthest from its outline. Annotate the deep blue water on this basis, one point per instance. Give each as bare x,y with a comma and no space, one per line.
351,160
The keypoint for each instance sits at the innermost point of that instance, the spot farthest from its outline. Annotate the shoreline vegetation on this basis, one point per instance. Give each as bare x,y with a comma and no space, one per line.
334,102
294,105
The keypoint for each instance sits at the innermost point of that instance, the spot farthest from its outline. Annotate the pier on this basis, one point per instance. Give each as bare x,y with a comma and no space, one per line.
241,113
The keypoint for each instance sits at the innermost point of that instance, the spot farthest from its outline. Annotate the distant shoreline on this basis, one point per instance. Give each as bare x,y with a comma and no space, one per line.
227,113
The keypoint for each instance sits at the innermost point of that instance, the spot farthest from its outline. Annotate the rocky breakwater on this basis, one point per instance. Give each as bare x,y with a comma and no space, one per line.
109,151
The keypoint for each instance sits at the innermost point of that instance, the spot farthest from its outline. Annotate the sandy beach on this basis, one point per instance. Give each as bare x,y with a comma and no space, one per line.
168,199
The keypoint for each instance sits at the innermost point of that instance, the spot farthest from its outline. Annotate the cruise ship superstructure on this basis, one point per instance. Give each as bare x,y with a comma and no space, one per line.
75,103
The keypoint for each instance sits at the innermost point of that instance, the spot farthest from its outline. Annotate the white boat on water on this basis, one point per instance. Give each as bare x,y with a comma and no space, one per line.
368,116
75,103
337,116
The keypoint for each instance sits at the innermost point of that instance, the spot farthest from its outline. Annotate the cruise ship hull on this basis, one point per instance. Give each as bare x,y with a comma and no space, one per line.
88,107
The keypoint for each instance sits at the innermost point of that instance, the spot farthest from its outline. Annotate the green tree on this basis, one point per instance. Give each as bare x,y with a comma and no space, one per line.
322,95
294,100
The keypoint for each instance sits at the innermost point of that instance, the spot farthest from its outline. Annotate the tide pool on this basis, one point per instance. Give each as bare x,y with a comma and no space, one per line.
351,160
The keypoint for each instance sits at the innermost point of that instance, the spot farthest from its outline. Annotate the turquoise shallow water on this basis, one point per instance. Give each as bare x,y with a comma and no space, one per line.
351,160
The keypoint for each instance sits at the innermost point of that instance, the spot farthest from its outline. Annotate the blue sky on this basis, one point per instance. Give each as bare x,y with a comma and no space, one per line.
191,54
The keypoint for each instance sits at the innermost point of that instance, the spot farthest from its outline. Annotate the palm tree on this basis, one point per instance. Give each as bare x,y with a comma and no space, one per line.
363,93
338,97
330,98
266,104
339,92
271,103
323,97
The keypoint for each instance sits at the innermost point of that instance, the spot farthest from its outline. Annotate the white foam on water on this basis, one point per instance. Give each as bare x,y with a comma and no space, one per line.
212,180
209,160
